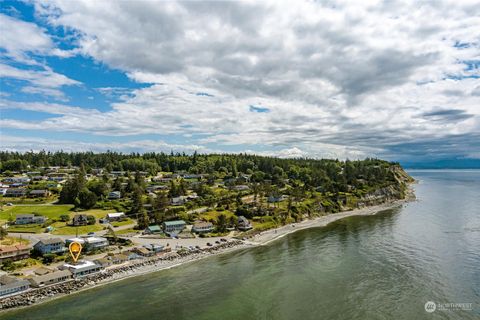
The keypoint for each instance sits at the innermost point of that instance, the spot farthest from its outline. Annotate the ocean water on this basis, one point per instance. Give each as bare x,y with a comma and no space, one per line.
386,266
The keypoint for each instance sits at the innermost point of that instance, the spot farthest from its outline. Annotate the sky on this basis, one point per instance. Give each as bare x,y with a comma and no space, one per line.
396,80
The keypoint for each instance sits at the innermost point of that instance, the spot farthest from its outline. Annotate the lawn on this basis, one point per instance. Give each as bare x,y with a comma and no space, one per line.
62,229
213,215
49,211
26,228
126,231
10,241
122,223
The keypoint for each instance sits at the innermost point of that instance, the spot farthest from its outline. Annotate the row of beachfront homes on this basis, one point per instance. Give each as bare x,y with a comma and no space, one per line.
175,227
44,276
50,246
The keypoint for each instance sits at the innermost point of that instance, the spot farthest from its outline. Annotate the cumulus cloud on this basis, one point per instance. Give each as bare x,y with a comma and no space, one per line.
320,79
22,42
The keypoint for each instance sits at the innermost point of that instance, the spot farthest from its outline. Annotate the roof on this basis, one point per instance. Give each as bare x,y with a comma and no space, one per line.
38,191
80,265
202,224
25,215
51,276
12,282
50,241
142,250
115,215
120,256
174,223
42,271
14,248
154,228
91,240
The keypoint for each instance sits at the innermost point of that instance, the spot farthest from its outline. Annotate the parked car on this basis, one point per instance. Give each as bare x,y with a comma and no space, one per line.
91,233
223,240
209,244
9,204
217,242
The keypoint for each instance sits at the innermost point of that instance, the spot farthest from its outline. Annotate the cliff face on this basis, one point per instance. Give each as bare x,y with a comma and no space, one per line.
392,192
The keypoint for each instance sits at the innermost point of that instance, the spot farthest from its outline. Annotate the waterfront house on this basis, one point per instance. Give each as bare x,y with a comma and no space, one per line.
244,224
50,278
10,285
143,252
16,252
51,245
16,192
80,220
42,271
82,268
202,227
174,227
103,262
39,193
114,195
29,218
154,247
119,258
116,216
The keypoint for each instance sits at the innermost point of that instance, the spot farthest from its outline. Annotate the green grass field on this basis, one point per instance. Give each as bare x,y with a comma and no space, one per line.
209,215
122,223
62,229
49,211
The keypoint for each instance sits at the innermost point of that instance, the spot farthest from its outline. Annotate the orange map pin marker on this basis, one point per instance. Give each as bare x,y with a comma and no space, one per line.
75,249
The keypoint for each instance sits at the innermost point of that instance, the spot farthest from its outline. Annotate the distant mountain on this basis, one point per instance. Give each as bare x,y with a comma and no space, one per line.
466,163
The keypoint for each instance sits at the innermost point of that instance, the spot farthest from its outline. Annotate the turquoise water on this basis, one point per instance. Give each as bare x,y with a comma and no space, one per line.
380,267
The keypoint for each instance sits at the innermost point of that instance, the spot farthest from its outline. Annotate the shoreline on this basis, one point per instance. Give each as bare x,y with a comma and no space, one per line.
147,266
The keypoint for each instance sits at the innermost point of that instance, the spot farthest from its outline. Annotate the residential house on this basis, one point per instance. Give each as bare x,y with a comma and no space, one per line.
51,245
155,247
29,218
178,201
14,253
80,220
11,285
82,268
174,227
23,180
241,187
16,192
202,227
119,258
50,278
39,193
274,198
244,224
143,252
104,262
114,195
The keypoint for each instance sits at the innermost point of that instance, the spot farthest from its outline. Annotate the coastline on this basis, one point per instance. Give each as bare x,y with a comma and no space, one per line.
264,238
